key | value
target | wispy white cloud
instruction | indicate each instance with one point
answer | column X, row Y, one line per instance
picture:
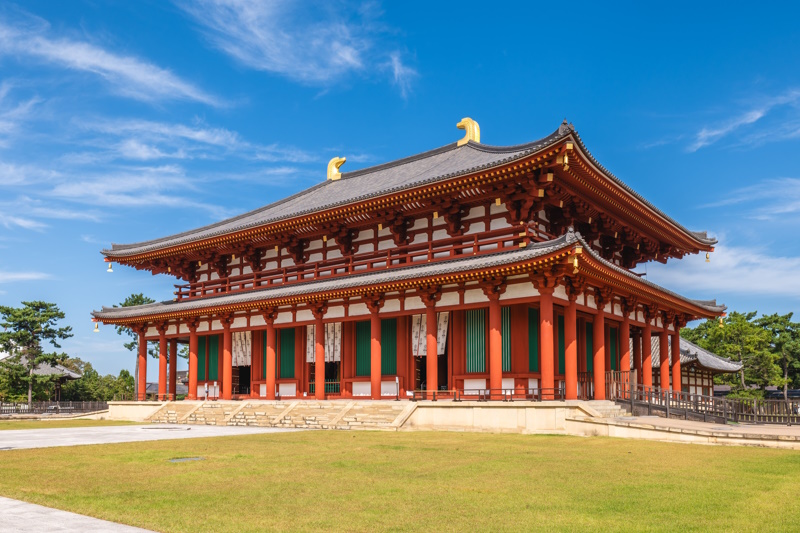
column 30, row 37
column 14, row 277
column 13, row 113
column 8, row 221
column 709, row 135
column 316, row 43
column 769, row 199
column 145, row 140
column 733, row 270
column 160, row 186
column 403, row 74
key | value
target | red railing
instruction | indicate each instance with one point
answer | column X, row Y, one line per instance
column 401, row 256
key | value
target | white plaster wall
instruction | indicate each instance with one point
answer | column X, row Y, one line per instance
column 560, row 292
column 519, row 290
column 391, row 306
column 283, row 318
column 475, row 212
column 257, row 321
column 448, row 298
column 359, row 309
column 495, row 209
column 477, row 226
column 239, row 322
column 473, row 296
column 419, row 223
column 305, row 314
column 440, row 234
column 414, row 302
column 336, row 311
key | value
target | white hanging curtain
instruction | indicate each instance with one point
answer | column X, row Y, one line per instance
column 241, row 349
column 419, row 327
column 332, row 342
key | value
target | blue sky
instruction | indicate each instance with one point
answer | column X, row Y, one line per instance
column 126, row 121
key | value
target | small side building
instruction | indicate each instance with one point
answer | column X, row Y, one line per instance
column 698, row 368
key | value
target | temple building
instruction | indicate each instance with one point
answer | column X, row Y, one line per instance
column 469, row 267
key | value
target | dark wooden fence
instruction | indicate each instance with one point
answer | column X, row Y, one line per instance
column 622, row 388
column 39, row 408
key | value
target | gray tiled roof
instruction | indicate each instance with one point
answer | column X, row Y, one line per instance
column 435, row 165
column 532, row 251
column 47, row 370
column 692, row 353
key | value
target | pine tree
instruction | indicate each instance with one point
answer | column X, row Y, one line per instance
column 26, row 329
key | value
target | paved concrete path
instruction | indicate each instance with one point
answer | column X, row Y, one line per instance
column 44, row 438
column 17, row 516
column 757, row 430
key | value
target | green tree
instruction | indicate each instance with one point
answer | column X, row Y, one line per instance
column 784, row 344
column 25, row 330
column 739, row 338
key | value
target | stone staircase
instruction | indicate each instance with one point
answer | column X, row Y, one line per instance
column 373, row 415
column 211, row 414
column 171, row 413
column 318, row 415
column 306, row 414
column 260, row 414
column 608, row 409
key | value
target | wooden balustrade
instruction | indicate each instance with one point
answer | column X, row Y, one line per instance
column 396, row 257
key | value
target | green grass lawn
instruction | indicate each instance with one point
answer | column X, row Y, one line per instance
column 424, row 481
column 60, row 423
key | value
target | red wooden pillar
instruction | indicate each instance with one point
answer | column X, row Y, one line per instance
column 677, row 382
column 637, row 355
column 192, row 362
column 625, row 342
column 495, row 345
column 546, row 351
column 375, row 353
column 227, row 362
column 162, row 363
column 663, row 349
column 430, row 295
column 647, row 352
column 599, row 356
column 271, row 359
column 571, row 349
column 173, row 368
column 431, row 348
column 141, row 394
column 319, row 351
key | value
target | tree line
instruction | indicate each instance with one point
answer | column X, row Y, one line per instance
column 31, row 337
column 768, row 346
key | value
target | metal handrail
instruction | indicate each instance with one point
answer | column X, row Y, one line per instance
column 678, row 403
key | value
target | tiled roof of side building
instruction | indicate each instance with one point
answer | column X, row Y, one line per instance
column 435, row 165
column 691, row 353
column 532, row 251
